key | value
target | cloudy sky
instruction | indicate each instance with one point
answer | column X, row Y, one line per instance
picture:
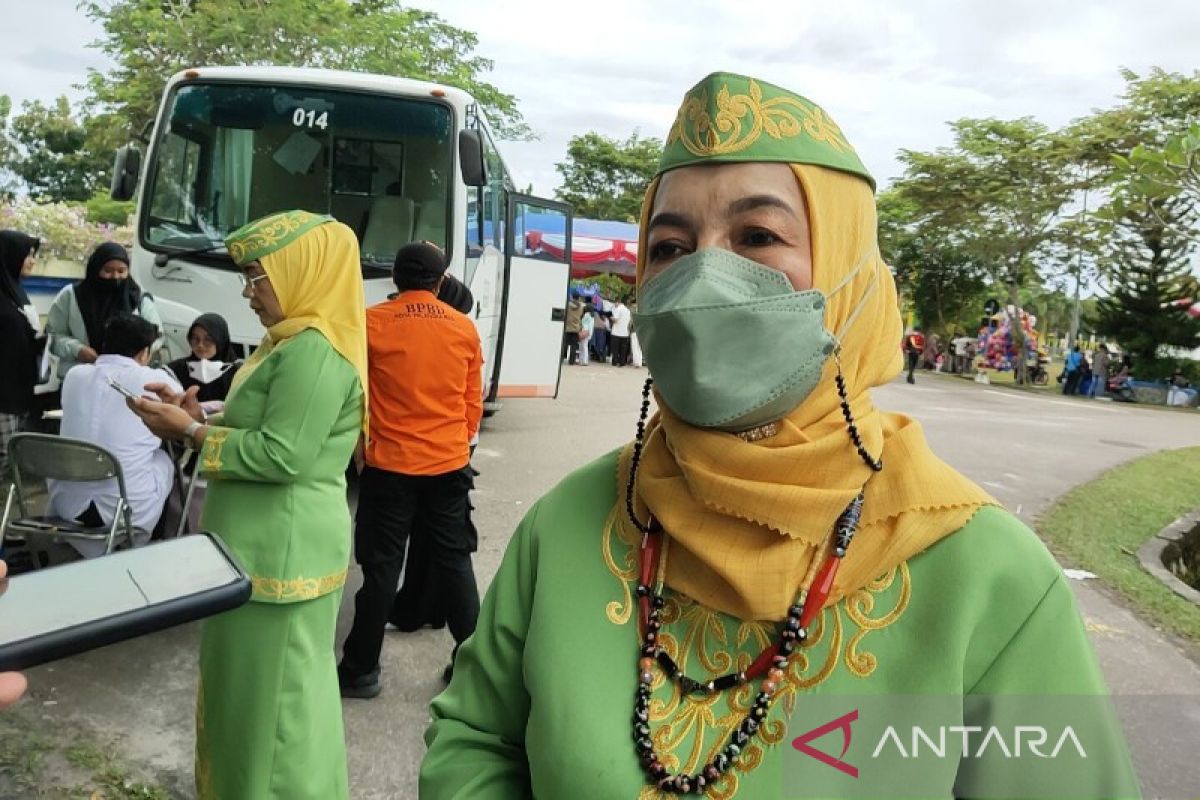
column 890, row 73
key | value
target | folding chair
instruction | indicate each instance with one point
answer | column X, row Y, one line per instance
column 185, row 484
column 42, row 456
column 185, row 520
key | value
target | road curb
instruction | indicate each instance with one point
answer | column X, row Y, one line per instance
column 1150, row 554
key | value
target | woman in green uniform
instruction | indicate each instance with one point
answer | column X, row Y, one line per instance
column 269, row 715
column 771, row 541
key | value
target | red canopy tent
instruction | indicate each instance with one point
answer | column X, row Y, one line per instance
column 597, row 246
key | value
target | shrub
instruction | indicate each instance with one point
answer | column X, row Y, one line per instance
column 64, row 229
column 103, row 209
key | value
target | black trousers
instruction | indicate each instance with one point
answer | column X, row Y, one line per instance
column 418, row 603
column 620, row 351
column 389, row 505
column 570, row 348
column 911, row 358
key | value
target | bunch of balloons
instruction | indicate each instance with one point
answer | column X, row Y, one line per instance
column 996, row 346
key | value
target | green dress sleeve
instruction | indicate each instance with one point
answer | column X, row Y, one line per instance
column 306, row 395
column 477, row 738
column 1047, row 676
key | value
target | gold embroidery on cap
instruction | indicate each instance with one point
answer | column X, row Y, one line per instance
column 742, row 118
column 269, row 234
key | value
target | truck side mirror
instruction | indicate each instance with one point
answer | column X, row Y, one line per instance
column 470, row 158
column 126, row 165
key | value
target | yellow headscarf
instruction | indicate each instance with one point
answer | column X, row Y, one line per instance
column 318, row 280
column 747, row 520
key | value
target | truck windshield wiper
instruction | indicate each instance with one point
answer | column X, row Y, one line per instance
column 376, row 268
column 162, row 259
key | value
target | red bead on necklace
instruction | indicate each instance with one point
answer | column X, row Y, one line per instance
column 771, row 664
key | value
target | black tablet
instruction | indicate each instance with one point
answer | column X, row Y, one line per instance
column 57, row 612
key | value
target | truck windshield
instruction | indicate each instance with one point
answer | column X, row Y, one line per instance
column 228, row 154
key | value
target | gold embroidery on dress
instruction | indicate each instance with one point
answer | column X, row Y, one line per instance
column 212, row 449
column 618, row 611
column 700, row 636
column 297, row 588
column 859, row 606
column 729, row 131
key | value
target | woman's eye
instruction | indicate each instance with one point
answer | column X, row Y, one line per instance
column 759, row 237
column 665, row 250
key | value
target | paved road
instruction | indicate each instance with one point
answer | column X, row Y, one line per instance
column 1025, row 449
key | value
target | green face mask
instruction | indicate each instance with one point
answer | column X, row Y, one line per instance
column 730, row 343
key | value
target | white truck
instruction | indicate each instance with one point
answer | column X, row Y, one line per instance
column 397, row 160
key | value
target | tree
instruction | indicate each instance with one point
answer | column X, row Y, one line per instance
column 612, row 287
column 606, row 178
column 941, row 283
column 1053, row 308
column 1114, row 148
column 149, row 40
column 7, row 150
column 1165, row 172
column 1153, row 109
column 1155, row 272
column 52, row 158
column 1137, row 156
column 997, row 193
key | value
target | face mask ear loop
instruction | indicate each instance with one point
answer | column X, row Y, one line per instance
column 876, row 464
column 861, row 303
column 849, row 276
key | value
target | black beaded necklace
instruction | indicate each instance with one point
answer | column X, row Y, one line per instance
column 773, row 661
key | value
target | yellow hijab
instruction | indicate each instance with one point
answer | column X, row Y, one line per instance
column 317, row 277
column 746, row 521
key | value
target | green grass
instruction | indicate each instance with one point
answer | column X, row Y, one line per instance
column 63, row 762
column 21, row 760
column 109, row 778
column 1100, row 526
column 1009, row 378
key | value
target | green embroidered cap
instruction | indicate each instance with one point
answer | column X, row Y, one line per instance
column 732, row 118
column 264, row 236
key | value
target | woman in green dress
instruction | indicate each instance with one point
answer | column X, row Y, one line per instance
column 773, row 560
column 269, row 715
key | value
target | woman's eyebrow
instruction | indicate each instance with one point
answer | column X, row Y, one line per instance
column 671, row 219
column 755, row 201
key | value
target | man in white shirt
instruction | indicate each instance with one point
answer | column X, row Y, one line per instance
column 961, row 343
column 96, row 412
column 620, row 334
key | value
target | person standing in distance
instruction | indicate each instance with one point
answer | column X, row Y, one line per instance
column 621, row 318
column 914, row 344
column 426, row 404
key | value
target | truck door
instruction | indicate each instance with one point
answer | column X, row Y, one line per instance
column 537, row 268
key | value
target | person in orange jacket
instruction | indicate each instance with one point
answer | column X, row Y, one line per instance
column 426, row 404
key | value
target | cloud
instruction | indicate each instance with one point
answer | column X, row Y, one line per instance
column 45, row 53
column 892, row 74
